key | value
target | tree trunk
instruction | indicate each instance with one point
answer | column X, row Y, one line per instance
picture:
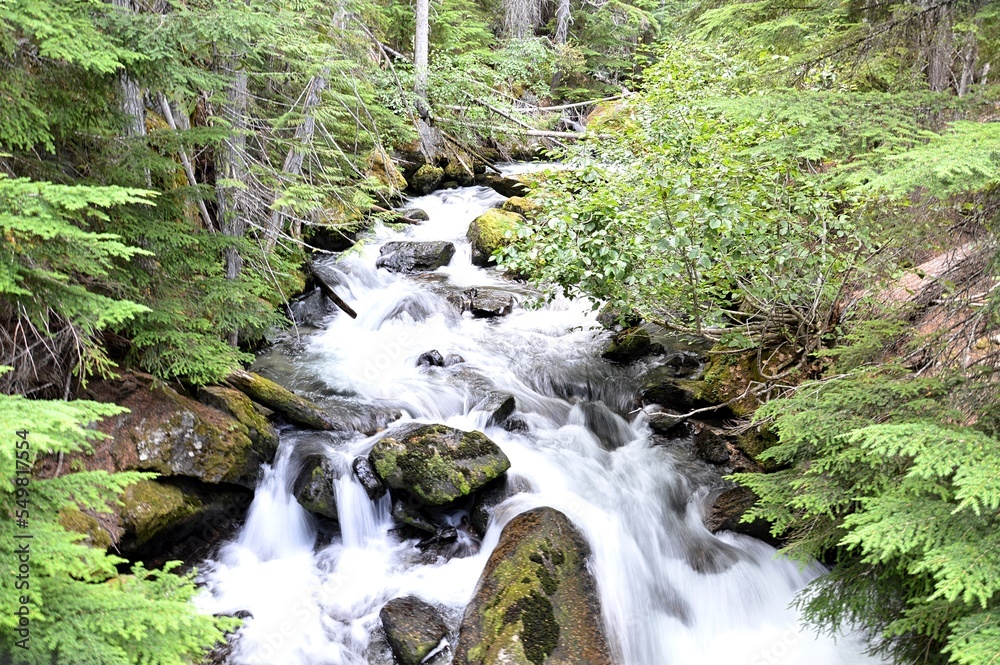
column 562, row 22
column 969, row 59
column 296, row 155
column 939, row 48
column 420, row 47
column 231, row 171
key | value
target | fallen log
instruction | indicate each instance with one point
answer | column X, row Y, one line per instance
column 330, row 293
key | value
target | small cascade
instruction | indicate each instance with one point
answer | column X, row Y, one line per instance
column 672, row 593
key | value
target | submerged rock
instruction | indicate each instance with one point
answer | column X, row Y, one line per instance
column 293, row 407
column 412, row 256
column 499, row 405
column 412, row 516
column 426, row 179
column 431, row 358
column 314, row 487
column 484, row 303
column 628, row 345
column 536, row 602
column 437, row 463
column 413, row 628
column 488, row 233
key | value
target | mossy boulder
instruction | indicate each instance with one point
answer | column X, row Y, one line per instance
column 436, row 463
column 536, row 602
column 150, row 507
column 239, row 406
column 629, row 345
column 520, row 205
column 488, row 233
column 314, row 487
column 98, row 535
column 283, row 401
column 413, row 629
column 663, row 388
column 382, row 168
column 173, row 435
column 426, row 179
column 726, row 378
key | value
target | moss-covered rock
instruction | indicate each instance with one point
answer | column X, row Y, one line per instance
column 727, row 376
column 426, row 179
column 384, row 171
column 314, row 487
column 413, row 628
column 176, row 436
column 488, row 233
column 661, row 387
column 459, row 169
column 150, row 507
column 628, row 345
column 75, row 520
column 296, row 409
column 436, row 463
column 239, row 406
column 520, row 205
column 536, row 602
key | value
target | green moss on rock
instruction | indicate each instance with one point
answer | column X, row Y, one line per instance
column 240, row 407
column 75, row 520
column 426, row 179
column 520, row 205
column 293, row 407
column 437, row 463
column 536, row 601
column 150, row 507
column 488, row 233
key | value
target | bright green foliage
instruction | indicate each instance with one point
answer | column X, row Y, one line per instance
column 881, row 471
column 82, row 611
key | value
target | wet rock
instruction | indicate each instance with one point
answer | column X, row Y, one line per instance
column 365, row 474
column 412, row 256
column 476, row 385
column 437, row 463
column 628, row 345
column 666, row 422
column 443, row 536
column 492, row 496
column 283, row 401
column 413, row 628
column 499, row 405
column 453, row 359
column 484, row 303
column 660, row 387
column 416, row 213
column 536, row 602
column 430, row 359
column 710, row 446
column 411, row 515
column 449, row 184
column 312, row 310
column 173, row 435
column 611, row 429
column 239, row 406
column 727, row 511
column 516, row 424
column 488, row 234
column 683, row 364
column 314, row 487
column 520, row 205
column 426, row 179
column 502, row 185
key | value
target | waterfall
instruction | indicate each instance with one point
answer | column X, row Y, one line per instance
column 672, row 592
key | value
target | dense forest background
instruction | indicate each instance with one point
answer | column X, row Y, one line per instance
column 775, row 177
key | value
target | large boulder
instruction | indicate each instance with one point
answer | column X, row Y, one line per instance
column 314, row 487
column 536, row 602
column 499, row 405
column 293, row 407
column 413, row 629
column 408, row 256
column 488, row 233
column 173, row 435
column 502, row 184
column 484, row 303
column 239, row 406
column 436, row 463
column 628, row 345
column 426, row 179
column 459, row 170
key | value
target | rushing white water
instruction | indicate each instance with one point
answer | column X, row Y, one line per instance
column 672, row 593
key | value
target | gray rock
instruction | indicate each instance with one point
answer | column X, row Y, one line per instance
column 431, row 358
column 710, row 446
column 499, row 405
column 416, row 213
column 412, row 256
column 484, row 303
column 413, row 628
column 314, row 487
column 437, row 463
column 366, row 475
